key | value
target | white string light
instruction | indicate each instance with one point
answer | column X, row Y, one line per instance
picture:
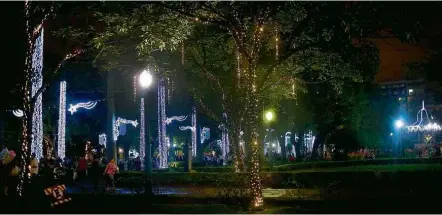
column 142, row 134
column 133, row 153
column 205, row 134
column 102, row 139
column 24, row 158
column 162, row 147
column 193, row 130
column 86, row 105
column 177, row 118
column 62, row 121
column 418, row 127
column 287, row 141
column 122, row 121
column 309, row 139
column 18, row 113
column 224, row 143
column 37, row 83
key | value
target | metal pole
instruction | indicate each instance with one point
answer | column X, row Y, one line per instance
column 270, row 151
column 148, row 151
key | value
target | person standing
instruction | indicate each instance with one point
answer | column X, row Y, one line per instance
column 82, row 171
column 121, row 164
column 12, row 177
column 125, row 165
column 109, row 172
column 34, row 165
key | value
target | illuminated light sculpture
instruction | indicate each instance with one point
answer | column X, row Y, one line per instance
column 418, row 125
column 120, row 121
column 193, row 130
column 102, row 140
column 309, row 139
column 133, row 153
column 205, row 134
column 37, row 83
column 162, row 145
column 287, row 141
column 87, row 105
column 142, row 134
column 61, row 141
column 177, row 118
column 18, row 113
column 224, row 143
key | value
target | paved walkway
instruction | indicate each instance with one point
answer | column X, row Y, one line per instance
column 205, row 192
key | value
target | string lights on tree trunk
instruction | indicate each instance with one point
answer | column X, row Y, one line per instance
column 61, row 141
column 162, row 146
column 142, row 133
column 193, row 130
column 37, row 83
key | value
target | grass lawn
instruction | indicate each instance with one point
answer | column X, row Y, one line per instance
column 398, row 167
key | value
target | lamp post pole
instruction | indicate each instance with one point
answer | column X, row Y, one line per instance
column 269, row 117
column 145, row 80
column 398, row 124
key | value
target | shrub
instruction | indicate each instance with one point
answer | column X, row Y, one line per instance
column 334, row 164
column 231, row 181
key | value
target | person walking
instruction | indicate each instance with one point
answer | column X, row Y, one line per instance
column 109, row 172
column 121, row 164
column 82, row 171
column 12, row 178
column 34, row 165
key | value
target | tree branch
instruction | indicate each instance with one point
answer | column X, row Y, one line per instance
column 282, row 59
column 56, row 74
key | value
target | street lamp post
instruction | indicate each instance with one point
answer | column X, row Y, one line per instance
column 268, row 118
column 398, row 124
column 146, row 79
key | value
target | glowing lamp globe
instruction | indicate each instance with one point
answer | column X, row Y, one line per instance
column 145, row 79
column 269, row 116
column 399, row 123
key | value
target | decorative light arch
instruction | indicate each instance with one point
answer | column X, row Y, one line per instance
column 418, row 126
column 120, row 121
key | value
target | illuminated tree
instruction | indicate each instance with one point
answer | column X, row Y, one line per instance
column 273, row 49
column 35, row 16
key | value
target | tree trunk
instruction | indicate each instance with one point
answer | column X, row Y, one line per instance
column 235, row 148
column 111, row 151
column 189, row 156
column 283, row 147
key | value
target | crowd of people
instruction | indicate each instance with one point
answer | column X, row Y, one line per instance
column 53, row 170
